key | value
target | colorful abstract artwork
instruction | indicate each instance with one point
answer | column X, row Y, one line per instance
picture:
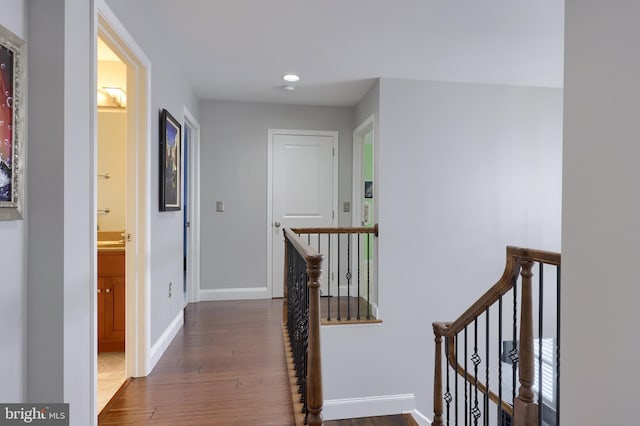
column 6, row 124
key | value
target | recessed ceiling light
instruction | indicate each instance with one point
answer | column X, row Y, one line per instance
column 291, row 78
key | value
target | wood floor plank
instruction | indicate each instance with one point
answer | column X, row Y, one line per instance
column 225, row 367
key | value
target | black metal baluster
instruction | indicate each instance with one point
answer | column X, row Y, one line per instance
column 339, row 314
column 514, row 353
column 368, row 276
column 456, row 382
column 349, row 276
column 467, row 406
column 540, row 336
column 558, row 306
column 475, row 358
column 359, row 262
column 308, row 239
column 447, row 395
column 500, row 416
column 486, row 355
column 329, row 278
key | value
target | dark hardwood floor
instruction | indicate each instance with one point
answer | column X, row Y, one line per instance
column 227, row 367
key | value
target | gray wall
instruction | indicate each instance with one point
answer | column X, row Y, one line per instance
column 458, row 166
column 234, row 170
column 169, row 90
column 601, row 207
column 12, row 265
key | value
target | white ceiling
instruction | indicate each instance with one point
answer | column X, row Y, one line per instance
column 239, row 49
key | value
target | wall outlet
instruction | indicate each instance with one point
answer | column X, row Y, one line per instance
column 219, row 206
column 170, row 289
column 346, row 207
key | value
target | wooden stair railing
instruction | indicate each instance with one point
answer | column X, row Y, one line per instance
column 525, row 411
column 348, row 286
column 301, row 326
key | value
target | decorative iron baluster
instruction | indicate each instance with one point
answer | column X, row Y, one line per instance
column 455, row 385
column 447, row 394
column 500, row 417
column 540, row 333
column 348, row 276
column 329, row 278
column 513, row 353
column 368, row 276
column 557, row 393
column 359, row 263
column 467, row 406
column 339, row 314
column 486, row 355
column 475, row 359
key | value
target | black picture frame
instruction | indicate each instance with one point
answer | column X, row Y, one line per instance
column 170, row 162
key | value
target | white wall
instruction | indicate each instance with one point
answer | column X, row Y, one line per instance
column 170, row 90
column 234, row 170
column 457, row 166
column 12, row 265
column 112, row 137
column 601, row 207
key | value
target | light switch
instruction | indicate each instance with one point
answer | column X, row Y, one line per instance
column 346, row 207
column 219, row 206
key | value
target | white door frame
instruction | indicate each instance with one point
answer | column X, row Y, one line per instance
column 358, row 143
column 138, row 309
column 193, row 249
column 269, row 224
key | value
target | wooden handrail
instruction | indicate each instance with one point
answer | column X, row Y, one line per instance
column 515, row 256
column 313, row 262
column 338, row 230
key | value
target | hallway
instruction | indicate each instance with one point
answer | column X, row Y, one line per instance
column 226, row 366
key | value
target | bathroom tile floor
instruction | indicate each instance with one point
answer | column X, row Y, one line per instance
column 111, row 374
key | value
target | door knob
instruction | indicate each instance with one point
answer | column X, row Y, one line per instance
column 277, row 224
column 99, row 290
column 108, row 290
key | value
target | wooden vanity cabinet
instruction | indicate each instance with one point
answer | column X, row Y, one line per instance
column 111, row 301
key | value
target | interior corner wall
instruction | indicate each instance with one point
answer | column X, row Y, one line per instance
column 13, row 266
column 234, row 170
column 601, row 207
column 171, row 91
column 457, row 174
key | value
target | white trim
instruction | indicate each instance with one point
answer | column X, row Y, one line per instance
column 235, row 293
column 353, row 408
column 193, row 256
column 356, row 192
column 336, row 145
column 163, row 342
column 420, row 418
column 138, row 310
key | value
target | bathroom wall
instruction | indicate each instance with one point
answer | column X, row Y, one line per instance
column 112, row 128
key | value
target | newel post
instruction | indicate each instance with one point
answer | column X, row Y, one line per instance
column 525, row 408
column 314, row 367
column 285, row 302
column 437, row 381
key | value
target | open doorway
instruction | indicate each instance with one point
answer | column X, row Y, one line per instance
column 191, row 207
column 122, row 203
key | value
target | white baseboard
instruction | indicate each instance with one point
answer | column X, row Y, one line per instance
column 420, row 418
column 161, row 345
column 234, row 294
column 353, row 408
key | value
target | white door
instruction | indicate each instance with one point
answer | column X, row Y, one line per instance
column 304, row 188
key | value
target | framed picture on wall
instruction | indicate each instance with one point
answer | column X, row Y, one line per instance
column 170, row 161
column 12, row 142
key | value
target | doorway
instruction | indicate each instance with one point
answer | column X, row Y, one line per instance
column 302, row 190
column 191, row 207
column 126, row 102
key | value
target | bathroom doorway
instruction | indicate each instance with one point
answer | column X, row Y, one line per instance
column 122, row 105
